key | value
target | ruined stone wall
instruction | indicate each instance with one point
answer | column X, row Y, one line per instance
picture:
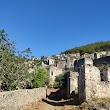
column 98, row 55
column 106, row 74
column 103, row 60
column 103, row 90
column 53, row 72
column 86, row 55
column 95, row 88
column 16, row 100
column 70, row 63
column 90, row 84
column 92, row 79
column 83, row 61
column 72, row 83
column 61, row 64
column 81, row 84
column 51, row 61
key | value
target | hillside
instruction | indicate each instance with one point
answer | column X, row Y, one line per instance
column 90, row 48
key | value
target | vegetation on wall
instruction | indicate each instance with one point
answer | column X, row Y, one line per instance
column 103, row 66
column 90, row 48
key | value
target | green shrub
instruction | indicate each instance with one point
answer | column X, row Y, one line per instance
column 60, row 81
column 40, row 78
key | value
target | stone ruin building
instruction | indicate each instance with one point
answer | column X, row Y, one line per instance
column 53, row 72
column 84, row 74
column 87, row 79
column 64, row 63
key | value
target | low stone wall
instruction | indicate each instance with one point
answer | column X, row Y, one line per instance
column 16, row 100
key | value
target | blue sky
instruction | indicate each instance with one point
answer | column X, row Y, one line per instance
column 51, row 26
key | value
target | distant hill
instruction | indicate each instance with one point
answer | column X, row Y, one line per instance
column 90, row 48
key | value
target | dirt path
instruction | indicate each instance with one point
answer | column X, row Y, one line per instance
column 56, row 101
column 48, row 104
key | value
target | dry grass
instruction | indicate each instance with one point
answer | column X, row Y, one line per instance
column 85, row 106
column 75, row 108
column 101, row 99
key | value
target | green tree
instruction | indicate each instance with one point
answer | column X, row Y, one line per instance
column 13, row 70
column 40, row 78
column 15, row 65
column 42, row 58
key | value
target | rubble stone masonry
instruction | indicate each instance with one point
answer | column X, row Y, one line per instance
column 90, row 85
column 16, row 100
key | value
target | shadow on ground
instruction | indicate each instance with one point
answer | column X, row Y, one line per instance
column 57, row 95
column 58, row 98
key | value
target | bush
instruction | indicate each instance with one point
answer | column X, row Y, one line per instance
column 60, row 81
column 40, row 78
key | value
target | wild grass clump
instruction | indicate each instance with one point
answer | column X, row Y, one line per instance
column 85, row 105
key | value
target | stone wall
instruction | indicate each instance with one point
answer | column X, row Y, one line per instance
column 90, row 85
column 53, row 72
column 51, row 61
column 103, row 90
column 61, row 64
column 16, row 100
column 70, row 63
column 87, row 55
column 105, row 74
column 92, row 80
column 102, row 61
column 81, row 84
column 72, row 84
column 98, row 55
column 83, row 61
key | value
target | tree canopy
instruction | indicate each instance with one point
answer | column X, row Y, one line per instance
column 90, row 48
column 15, row 65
